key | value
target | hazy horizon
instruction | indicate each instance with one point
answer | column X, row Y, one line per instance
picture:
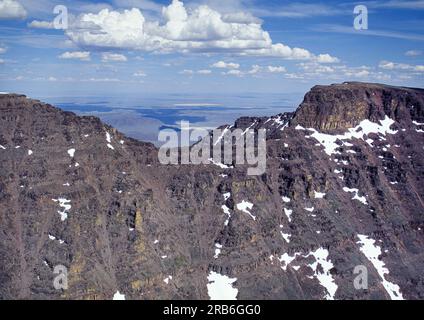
column 104, row 47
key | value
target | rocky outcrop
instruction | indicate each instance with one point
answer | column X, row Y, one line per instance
column 343, row 106
column 78, row 193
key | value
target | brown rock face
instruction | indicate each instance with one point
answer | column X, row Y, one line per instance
column 77, row 193
column 342, row 106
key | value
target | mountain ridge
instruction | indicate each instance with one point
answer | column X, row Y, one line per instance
column 78, row 193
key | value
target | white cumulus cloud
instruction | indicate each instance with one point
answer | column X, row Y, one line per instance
column 11, row 9
column 198, row 29
column 77, row 55
column 256, row 69
column 326, row 58
column 278, row 69
column 113, row 57
column 413, row 53
column 357, row 74
column 389, row 65
column 280, row 50
column 241, row 17
column 41, row 24
column 187, row 72
column 204, row 71
column 192, row 72
column 225, row 65
column 316, row 68
column 233, row 72
column 139, row 73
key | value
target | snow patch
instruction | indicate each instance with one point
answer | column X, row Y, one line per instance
column 220, row 287
column 288, row 213
column 321, row 268
column 219, row 164
column 226, row 210
column 319, row 195
column 370, row 142
column 323, row 274
column 356, row 197
column 118, row 296
column 286, row 259
column 71, row 152
column 63, row 203
column 245, row 206
column 286, row 199
column 109, row 141
column 278, row 121
column 224, row 132
column 366, row 127
column 286, row 236
column 218, row 248
column 373, row 252
column 228, row 213
column 250, row 127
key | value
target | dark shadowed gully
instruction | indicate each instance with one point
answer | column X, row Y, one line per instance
column 343, row 191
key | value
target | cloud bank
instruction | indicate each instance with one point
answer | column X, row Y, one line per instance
column 11, row 9
column 76, row 55
column 201, row 29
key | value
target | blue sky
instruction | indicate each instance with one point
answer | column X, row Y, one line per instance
column 222, row 47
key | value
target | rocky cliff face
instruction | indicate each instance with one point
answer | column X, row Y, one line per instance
column 343, row 188
column 343, row 106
